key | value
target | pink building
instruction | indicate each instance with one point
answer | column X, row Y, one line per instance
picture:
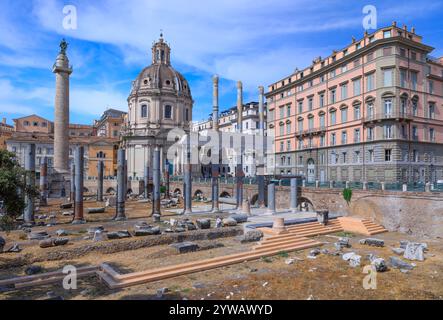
column 369, row 112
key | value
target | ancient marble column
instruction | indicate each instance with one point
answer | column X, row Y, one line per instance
column 156, row 181
column 79, row 176
column 271, row 198
column 239, row 170
column 121, row 185
column 188, row 179
column 261, row 165
column 100, row 169
column 62, row 71
column 30, row 182
column 215, row 166
column 294, row 195
column 146, row 180
column 44, row 182
column 72, row 184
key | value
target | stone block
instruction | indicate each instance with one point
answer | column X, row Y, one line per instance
column 372, row 242
column 203, row 223
column 95, row 210
column 400, row 264
column 229, row 222
column 239, row 217
column 184, row 247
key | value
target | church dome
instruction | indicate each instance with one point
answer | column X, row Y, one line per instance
column 160, row 75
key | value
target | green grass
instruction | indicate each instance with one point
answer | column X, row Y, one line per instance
column 345, row 234
column 283, row 254
column 266, row 259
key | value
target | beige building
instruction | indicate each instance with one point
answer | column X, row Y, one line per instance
column 6, row 131
column 160, row 100
column 110, row 124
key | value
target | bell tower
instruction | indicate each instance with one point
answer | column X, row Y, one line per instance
column 161, row 52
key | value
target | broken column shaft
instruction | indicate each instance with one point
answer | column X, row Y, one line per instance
column 44, row 182
column 100, row 169
column 121, row 185
column 156, row 181
column 271, row 198
column 294, row 195
column 167, row 181
column 79, row 168
column 30, row 182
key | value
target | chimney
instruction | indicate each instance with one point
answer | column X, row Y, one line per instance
column 4, row 120
column 413, row 30
column 405, row 28
column 394, row 23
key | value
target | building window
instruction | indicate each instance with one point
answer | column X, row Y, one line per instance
column 414, row 80
column 333, row 96
column 300, row 106
column 26, row 123
column 344, row 91
column 431, row 87
column 282, row 129
column 388, row 154
column 388, row 131
column 282, row 146
column 415, row 155
column 357, row 87
column 187, row 114
column 144, row 111
column 322, row 141
column 310, row 104
column 431, row 113
column 333, row 117
column 300, row 125
column 370, row 109
column 357, row 135
column 414, row 133
column 403, row 106
column 322, row 100
column 387, row 34
column 371, row 155
column 168, row 112
column 357, row 113
column 344, row 137
column 403, row 78
column 357, row 156
column 370, row 82
column 344, row 157
column 288, row 110
column 388, row 107
column 288, row 128
column 387, row 77
column 322, row 120
column 431, row 134
column 311, row 123
column 288, row 145
column 414, row 107
column 344, row 115
column 333, row 139
column 370, row 133
column 344, row 68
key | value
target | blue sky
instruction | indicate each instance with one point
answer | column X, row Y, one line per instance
column 258, row 42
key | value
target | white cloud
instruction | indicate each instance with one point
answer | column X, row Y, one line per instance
column 83, row 101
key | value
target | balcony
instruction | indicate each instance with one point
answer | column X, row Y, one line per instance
column 311, row 131
column 388, row 116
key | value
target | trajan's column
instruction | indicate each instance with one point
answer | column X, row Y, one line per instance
column 62, row 71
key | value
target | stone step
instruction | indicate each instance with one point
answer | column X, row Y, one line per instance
column 165, row 273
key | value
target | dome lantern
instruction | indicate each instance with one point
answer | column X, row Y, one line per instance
column 161, row 52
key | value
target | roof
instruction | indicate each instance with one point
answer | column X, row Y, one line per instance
column 49, row 138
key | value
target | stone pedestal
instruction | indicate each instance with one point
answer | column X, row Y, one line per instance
column 278, row 226
column 323, row 216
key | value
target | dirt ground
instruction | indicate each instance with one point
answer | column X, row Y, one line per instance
column 326, row 277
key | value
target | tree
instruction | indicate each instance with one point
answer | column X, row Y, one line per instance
column 12, row 189
column 347, row 195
